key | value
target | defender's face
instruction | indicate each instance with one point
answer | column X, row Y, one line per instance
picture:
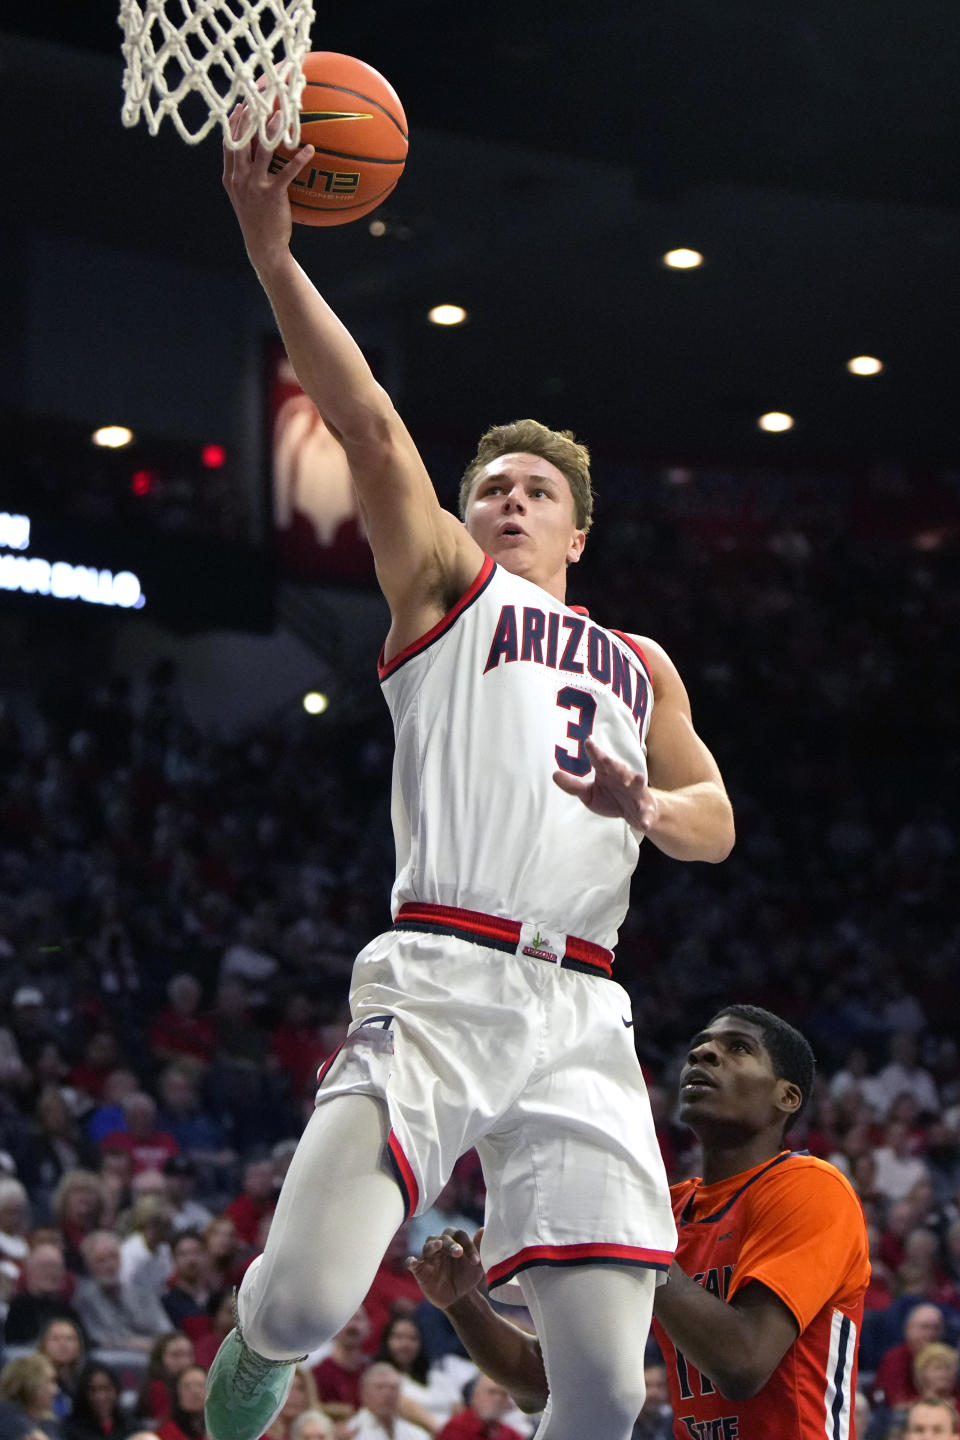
column 728, row 1083
column 521, row 513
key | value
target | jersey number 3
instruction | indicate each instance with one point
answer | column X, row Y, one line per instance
column 580, row 700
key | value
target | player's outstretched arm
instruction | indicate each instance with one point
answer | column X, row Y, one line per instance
column 420, row 549
column 449, row 1273
column 682, row 804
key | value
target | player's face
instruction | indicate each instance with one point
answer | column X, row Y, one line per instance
column 521, row 512
column 728, row 1084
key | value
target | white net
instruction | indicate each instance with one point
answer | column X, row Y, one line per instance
column 195, row 59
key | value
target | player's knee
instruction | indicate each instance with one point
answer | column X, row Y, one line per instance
column 284, row 1325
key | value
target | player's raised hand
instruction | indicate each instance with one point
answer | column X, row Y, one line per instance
column 613, row 789
column 259, row 197
column 448, row 1267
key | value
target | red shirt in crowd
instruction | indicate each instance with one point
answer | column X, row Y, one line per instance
column 468, row 1426
column 389, row 1287
column 337, row 1385
column 893, row 1383
column 246, row 1214
column 149, row 1152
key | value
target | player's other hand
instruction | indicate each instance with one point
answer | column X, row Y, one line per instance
column 448, row 1267
column 613, row 789
column 258, row 195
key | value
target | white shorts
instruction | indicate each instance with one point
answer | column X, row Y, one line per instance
column 534, row 1065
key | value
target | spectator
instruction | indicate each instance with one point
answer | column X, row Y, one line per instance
column 427, row 1396
column 394, row 1290
column 149, row 1146
column 79, row 1206
column 196, row 1132
column 187, row 1299
column 101, row 1056
column 30, row 1384
column 116, row 1176
column 935, row 1371
column 109, row 1115
column 378, row 1417
column 302, row 1398
column 655, row 1421
column 893, row 1383
column 63, row 1344
column 222, row 1321
column 898, row 1168
column 53, row 1148
column 338, row 1376
column 14, row 1217
column 931, row 1420
column 30, row 1022
column 488, row 1403
column 920, row 1272
column 257, row 1199
column 43, row 1297
column 116, row 1315
column 170, row 1356
column 145, row 1255
column 226, row 1254
column 312, row 1425
column 903, row 1074
column 98, row 1413
column 185, row 1421
column 180, row 1181
column 181, row 1032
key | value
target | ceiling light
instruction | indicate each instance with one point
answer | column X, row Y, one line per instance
column 447, row 315
column 683, row 259
column 315, row 703
column 775, row 421
column 112, row 437
column 864, row 365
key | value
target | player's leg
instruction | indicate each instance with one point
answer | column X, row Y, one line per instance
column 592, row 1322
column 337, row 1211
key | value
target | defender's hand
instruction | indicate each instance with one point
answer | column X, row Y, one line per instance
column 613, row 789
column 448, row 1267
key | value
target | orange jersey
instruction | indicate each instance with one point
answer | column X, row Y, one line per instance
column 796, row 1225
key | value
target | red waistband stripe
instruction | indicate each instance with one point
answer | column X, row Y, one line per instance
column 590, row 1254
column 474, row 924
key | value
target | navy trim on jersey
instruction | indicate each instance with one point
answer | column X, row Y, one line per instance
column 578, row 1260
column 840, row 1397
column 719, row 1214
column 473, row 592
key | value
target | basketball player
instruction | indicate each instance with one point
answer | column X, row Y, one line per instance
column 760, row 1315
column 534, row 751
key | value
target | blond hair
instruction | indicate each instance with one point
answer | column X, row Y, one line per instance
column 20, row 1379
column 529, row 437
column 935, row 1350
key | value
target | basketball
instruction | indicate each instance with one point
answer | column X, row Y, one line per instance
column 354, row 120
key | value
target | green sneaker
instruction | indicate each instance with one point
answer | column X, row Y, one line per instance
column 245, row 1392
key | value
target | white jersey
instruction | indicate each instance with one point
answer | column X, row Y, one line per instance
column 486, row 706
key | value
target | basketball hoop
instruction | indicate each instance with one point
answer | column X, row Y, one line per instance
column 224, row 51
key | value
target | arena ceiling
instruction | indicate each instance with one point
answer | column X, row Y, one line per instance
column 557, row 150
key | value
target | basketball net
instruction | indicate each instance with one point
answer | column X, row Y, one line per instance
column 224, row 51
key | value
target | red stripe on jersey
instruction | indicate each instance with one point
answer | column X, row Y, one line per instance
column 629, row 640
column 405, row 1175
column 387, row 667
column 495, row 927
column 321, row 1073
column 575, row 1255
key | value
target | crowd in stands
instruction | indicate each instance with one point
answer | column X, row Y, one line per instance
column 178, row 917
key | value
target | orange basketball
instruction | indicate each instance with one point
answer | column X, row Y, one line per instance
column 355, row 122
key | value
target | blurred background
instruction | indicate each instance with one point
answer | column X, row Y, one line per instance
column 663, row 223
